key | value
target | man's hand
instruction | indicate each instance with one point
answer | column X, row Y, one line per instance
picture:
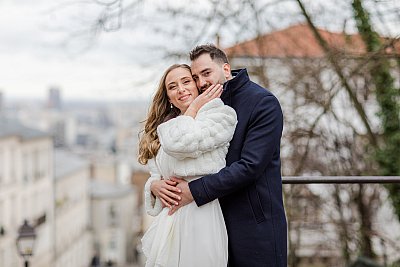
column 166, row 190
column 186, row 195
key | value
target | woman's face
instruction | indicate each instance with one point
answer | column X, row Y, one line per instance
column 181, row 88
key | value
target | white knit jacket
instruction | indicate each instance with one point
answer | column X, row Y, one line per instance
column 191, row 147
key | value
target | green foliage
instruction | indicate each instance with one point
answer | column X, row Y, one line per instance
column 370, row 37
column 387, row 154
column 395, row 264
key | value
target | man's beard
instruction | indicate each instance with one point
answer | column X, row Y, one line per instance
column 204, row 87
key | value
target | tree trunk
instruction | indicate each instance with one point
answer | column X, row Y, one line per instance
column 365, row 225
column 343, row 233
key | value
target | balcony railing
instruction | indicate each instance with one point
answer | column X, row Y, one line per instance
column 341, row 179
column 317, row 234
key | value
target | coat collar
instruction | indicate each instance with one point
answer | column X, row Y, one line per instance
column 240, row 77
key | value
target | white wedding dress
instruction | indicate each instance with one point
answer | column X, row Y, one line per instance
column 190, row 148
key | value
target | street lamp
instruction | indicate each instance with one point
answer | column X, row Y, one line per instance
column 25, row 241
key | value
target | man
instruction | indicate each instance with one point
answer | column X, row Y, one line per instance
column 249, row 188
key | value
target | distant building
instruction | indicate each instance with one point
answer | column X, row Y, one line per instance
column 107, row 167
column 61, row 125
column 54, row 98
column 115, row 223
column 267, row 56
column 73, row 240
column 298, row 41
column 26, row 192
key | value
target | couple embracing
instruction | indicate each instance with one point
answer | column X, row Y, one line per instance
column 212, row 145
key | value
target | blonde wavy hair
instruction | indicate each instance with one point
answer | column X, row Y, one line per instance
column 159, row 112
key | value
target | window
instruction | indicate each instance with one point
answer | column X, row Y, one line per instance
column 43, row 163
column 25, row 168
column 2, row 159
column 13, row 220
column 12, row 161
column 2, row 215
column 36, row 167
column 113, row 216
column 112, row 244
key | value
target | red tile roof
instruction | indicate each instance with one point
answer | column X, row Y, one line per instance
column 298, row 41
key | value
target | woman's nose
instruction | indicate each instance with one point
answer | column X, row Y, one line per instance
column 181, row 88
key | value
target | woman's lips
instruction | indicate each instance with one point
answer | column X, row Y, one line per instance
column 183, row 97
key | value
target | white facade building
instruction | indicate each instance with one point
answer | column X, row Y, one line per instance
column 26, row 192
column 114, row 221
column 72, row 210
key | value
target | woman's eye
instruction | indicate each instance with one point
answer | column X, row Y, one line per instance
column 172, row 88
column 186, row 82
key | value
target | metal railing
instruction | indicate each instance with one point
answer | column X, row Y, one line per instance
column 341, row 179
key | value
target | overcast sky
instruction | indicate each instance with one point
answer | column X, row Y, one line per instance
column 36, row 53
column 39, row 48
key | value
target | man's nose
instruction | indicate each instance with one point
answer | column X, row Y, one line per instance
column 202, row 84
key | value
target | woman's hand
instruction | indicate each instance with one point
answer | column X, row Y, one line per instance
column 209, row 94
column 166, row 191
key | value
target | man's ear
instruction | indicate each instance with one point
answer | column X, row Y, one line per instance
column 227, row 70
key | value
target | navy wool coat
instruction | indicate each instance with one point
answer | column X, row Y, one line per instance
column 249, row 188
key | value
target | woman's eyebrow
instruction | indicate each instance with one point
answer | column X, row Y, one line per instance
column 171, row 83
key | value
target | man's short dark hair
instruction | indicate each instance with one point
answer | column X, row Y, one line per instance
column 214, row 52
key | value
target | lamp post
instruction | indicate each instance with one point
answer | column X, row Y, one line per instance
column 25, row 241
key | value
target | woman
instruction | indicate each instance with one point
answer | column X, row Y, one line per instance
column 189, row 147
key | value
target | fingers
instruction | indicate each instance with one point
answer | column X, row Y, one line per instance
column 170, row 186
column 173, row 209
column 165, row 203
column 219, row 93
column 157, row 186
column 213, row 91
column 167, row 192
column 177, row 180
column 170, row 194
column 209, row 94
column 170, row 182
column 168, row 199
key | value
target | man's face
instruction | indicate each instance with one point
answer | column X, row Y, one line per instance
column 206, row 72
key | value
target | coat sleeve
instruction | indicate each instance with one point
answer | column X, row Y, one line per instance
column 261, row 143
column 152, row 204
column 187, row 137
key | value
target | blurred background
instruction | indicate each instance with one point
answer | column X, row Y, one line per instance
column 76, row 80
